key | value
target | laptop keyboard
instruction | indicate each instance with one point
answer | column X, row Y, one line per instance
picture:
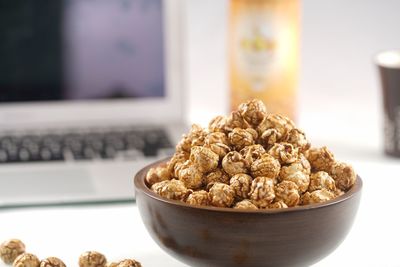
column 95, row 145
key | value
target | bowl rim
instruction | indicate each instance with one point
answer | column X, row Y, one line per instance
column 140, row 185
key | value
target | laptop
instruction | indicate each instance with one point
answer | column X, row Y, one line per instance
column 90, row 92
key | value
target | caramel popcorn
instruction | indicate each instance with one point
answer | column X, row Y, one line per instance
column 262, row 191
column 221, row 195
column 245, row 204
column 218, row 143
column 317, row 196
column 298, row 139
column 178, row 158
column 52, row 262
column 216, row 137
column 190, row 175
column 217, row 175
column 253, row 111
column 301, row 165
column 321, row 159
column 252, row 153
column 241, row 184
column 344, row 175
column 250, row 160
column 284, row 152
column 92, row 259
column 172, row 189
column 129, row 263
column 217, row 124
column 195, row 137
column 270, row 137
column 301, row 179
column 235, row 120
column 266, row 165
column 204, row 159
column 278, row 205
column 11, row 249
column 198, row 198
column 26, row 260
column 288, row 193
column 158, row 174
column 240, row 138
column 233, row 163
column 320, row 180
column 282, row 124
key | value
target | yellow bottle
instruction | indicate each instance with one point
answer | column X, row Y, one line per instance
column 263, row 53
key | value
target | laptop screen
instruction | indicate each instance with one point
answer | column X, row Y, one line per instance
column 81, row 50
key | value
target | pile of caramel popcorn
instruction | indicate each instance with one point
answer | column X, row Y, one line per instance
column 13, row 252
column 250, row 160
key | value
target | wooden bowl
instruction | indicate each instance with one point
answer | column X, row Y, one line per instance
column 210, row 236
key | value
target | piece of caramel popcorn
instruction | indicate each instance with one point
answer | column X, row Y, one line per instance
column 200, row 197
column 301, row 179
column 128, row 263
column 190, row 175
column 266, row 165
column 158, row 174
column 298, row 139
column 195, row 137
column 221, row 195
column 216, row 176
column 204, row 159
column 288, row 193
column 317, row 196
column 253, row 111
column 235, row 120
column 284, row 152
column 178, row 158
column 233, row 163
column 240, row 138
column 278, row 205
column 274, row 121
column 270, row 136
column 218, row 143
column 252, row 153
column 241, row 184
column 11, row 249
column 217, row 124
column 321, row 159
column 26, row 260
column 301, row 165
column 216, row 137
column 92, row 259
column 52, row 262
column 245, row 204
column 320, row 180
column 262, row 192
column 344, row 175
column 172, row 189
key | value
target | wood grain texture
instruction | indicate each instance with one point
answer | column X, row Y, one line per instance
column 209, row 236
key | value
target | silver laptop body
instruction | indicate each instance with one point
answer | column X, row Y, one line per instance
column 105, row 174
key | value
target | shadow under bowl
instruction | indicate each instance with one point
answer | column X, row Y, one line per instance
column 211, row 236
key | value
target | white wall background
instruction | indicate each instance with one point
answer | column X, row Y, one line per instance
column 339, row 39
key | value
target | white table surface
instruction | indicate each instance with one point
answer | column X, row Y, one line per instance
column 117, row 230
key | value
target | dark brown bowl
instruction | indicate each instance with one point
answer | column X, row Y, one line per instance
column 210, row 236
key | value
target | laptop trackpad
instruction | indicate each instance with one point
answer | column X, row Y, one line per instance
column 41, row 183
